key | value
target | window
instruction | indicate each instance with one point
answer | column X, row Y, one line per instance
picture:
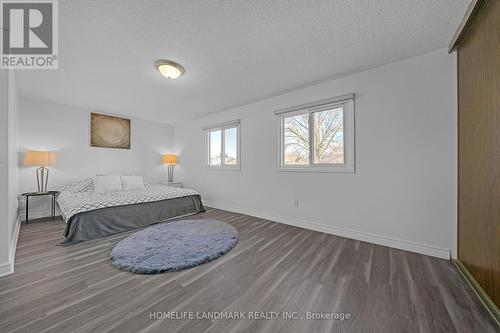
column 223, row 146
column 317, row 136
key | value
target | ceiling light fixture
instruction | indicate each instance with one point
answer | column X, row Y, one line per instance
column 169, row 69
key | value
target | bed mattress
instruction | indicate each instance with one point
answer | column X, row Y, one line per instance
column 90, row 215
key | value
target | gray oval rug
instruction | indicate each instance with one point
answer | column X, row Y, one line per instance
column 173, row 246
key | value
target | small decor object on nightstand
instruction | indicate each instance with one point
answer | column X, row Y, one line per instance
column 53, row 194
column 40, row 159
column 170, row 160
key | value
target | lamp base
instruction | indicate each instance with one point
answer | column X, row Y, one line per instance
column 42, row 179
column 170, row 173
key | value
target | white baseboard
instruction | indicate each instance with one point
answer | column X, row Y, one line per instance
column 37, row 215
column 8, row 267
column 397, row 243
column 35, row 212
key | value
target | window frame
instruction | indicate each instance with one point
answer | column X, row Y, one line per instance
column 347, row 104
column 222, row 127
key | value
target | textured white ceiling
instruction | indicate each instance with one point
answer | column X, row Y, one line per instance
column 234, row 52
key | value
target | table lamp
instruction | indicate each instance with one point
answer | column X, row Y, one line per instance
column 41, row 159
column 170, row 160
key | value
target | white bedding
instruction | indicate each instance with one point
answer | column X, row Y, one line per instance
column 81, row 197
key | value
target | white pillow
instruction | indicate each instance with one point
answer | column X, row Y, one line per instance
column 130, row 183
column 107, row 184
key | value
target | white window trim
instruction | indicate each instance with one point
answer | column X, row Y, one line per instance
column 222, row 126
column 347, row 102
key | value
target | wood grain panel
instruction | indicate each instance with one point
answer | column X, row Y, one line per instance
column 274, row 267
column 479, row 149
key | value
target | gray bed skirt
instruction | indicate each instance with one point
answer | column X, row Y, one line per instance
column 112, row 220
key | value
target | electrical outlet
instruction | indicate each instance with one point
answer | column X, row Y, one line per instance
column 296, row 203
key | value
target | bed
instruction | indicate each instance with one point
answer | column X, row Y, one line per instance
column 89, row 215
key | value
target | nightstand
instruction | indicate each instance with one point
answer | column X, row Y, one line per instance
column 173, row 184
column 53, row 195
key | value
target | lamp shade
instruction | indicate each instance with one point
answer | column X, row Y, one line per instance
column 39, row 158
column 169, row 159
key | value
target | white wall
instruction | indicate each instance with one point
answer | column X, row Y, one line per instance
column 9, row 180
column 13, row 147
column 4, row 171
column 66, row 130
column 403, row 193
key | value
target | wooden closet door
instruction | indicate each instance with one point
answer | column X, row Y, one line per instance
column 479, row 149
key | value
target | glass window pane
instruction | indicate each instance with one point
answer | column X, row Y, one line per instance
column 329, row 136
column 296, row 140
column 215, row 148
column 230, row 146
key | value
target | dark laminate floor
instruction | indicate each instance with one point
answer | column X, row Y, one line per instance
column 275, row 267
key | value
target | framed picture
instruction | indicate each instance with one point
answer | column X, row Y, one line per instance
column 109, row 132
